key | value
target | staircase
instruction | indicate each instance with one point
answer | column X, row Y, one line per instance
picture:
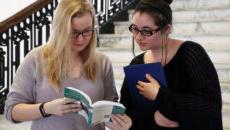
column 203, row 21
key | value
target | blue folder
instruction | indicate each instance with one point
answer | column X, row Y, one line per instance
column 137, row 72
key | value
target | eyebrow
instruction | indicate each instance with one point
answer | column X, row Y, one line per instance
column 87, row 28
column 146, row 27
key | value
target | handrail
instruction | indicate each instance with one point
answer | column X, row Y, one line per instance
column 19, row 34
column 23, row 14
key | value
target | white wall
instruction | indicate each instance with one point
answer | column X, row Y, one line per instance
column 10, row 7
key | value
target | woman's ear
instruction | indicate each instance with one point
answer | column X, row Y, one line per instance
column 168, row 29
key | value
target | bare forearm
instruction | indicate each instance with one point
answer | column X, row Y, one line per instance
column 26, row 112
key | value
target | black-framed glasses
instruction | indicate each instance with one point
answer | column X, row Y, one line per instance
column 85, row 33
column 144, row 32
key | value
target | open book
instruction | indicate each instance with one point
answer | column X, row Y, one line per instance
column 137, row 72
column 97, row 112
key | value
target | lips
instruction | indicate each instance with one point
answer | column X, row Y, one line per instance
column 141, row 44
column 78, row 44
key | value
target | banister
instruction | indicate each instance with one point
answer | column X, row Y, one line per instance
column 23, row 14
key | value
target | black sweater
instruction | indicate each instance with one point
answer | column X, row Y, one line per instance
column 192, row 97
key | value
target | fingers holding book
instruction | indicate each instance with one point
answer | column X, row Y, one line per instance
column 62, row 106
column 148, row 89
column 122, row 120
column 119, row 122
column 72, row 105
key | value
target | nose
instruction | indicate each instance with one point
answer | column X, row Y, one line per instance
column 80, row 37
column 138, row 36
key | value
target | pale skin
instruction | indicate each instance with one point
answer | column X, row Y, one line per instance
column 119, row 122
column 153, row 47
column 62, row 106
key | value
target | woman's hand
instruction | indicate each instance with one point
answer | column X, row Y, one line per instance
column 62, row 106
column 148, row 89
column 163, row 121
column 119, row 122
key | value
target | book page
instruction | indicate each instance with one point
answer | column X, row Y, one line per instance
column 86, row 112
column 101, row 114
column 102, row 111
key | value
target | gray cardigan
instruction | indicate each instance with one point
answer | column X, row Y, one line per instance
column 30, row 86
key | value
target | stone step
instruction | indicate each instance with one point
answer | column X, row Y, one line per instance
column 226, row 115
column 220, row 58
column 202, row 15
column 114, row 41
column 223, row 73
column 198, row 15
column 187, row 28
column 202, row 28
column 124, row 41
column 193, row 5
column 6, row 125
column 210, row 43
column 199, row 4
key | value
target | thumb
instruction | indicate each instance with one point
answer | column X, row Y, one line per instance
column 150, row 78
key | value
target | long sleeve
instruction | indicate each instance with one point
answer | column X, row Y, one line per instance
column 197, row 98
column 22, row 86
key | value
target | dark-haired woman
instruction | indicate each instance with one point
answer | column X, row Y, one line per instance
column 192, row 98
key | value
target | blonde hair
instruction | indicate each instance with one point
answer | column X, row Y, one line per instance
column 57, row 51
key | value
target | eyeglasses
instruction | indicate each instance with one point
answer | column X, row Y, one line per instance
column 85, row 33
column 144, row 32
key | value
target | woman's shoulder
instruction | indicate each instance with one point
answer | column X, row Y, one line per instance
column 101, row 59
column 100, row 56
column 191, row 52
column 30, row 61
column 193, row 48
column 188, row 50
column 189, row 45
column 33, row 54
column 102, row 62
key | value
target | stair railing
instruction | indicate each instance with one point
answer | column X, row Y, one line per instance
column 19, row 34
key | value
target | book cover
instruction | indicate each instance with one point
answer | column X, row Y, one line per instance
column 97, row 112
column 137, row 72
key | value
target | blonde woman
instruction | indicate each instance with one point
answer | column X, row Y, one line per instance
column 68, row 59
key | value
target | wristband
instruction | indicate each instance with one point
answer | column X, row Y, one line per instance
column 42, row 111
